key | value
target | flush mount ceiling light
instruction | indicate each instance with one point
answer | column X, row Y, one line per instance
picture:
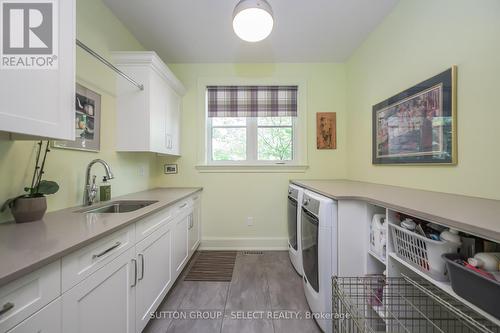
column 253, row 20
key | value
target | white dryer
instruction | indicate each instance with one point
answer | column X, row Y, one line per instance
column 319, row 254
column 294, row 230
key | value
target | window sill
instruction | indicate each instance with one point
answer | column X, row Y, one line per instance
column 272, row 168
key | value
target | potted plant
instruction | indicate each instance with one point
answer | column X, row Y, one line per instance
column 32, row 205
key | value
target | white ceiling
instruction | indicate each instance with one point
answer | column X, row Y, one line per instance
column 187, row 31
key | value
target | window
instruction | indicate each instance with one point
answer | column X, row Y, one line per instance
column 251, row 124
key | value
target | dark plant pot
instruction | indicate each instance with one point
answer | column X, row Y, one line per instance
column 29, row 209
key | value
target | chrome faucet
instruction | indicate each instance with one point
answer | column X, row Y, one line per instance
column 90, row 191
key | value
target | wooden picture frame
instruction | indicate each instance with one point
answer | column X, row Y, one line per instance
column 326, row 130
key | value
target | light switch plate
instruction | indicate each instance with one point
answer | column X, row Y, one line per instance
column 170, row 169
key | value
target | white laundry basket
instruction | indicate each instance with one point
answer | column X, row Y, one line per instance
column 422, row 252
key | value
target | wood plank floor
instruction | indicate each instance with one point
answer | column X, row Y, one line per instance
column 264, row 296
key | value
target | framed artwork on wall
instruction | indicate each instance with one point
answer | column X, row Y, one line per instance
column 418, row 125
column 326, row 130
column 87, row 122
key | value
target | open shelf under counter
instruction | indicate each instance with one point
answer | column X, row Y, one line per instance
column 377, row 257
column 445, row 286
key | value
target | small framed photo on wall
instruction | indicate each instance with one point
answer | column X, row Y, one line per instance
column 87, row 122
column 326, row 130
column 170, row 169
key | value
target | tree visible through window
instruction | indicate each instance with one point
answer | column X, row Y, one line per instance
column 275, row 138
column 229, row 139
column 232, row 137
column 251, row 124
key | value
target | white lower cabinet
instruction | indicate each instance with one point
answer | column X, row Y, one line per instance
column 180, row 250
column 154, row 276
column 109, row 286
column 105, row 301
column 47, row 320
column 195, row 225
column 25, row 296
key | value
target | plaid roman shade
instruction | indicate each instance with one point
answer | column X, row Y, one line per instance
column 252, row 101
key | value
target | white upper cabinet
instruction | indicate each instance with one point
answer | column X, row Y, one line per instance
column 37, row 69
column 148, row 120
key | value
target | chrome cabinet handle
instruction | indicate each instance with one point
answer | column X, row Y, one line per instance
column 183, row 205
column 142, row 266
column 135, row 273
column 191, row 221
column 6, row 308
column 106, row 251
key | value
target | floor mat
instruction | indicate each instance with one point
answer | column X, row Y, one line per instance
column 212, row 266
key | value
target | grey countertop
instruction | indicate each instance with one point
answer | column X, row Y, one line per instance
column 29, row 246
column 477, row 216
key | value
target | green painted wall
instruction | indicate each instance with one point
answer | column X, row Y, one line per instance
column 99, row 29
column 416, row 41
column 229, row 198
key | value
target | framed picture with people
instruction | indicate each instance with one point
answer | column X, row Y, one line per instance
column 418, row 125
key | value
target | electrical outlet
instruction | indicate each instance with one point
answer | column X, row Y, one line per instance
column 249, row 221
column 142, row 171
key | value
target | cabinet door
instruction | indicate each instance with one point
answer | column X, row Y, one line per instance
column 40, row 102
column 195, row 225
column 173, row 122
column 105, row 301
column 180, row 242
column 154, row 273
column 158, row 104
column 47, row 320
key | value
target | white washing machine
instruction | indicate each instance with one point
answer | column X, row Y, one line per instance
column 294, row 230
column 319, row 254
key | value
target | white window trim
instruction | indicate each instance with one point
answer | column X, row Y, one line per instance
column 298, row 164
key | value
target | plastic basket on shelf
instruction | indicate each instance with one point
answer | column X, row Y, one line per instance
column 421, row 252
column 472, row 286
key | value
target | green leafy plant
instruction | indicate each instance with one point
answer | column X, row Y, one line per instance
column 39, row 187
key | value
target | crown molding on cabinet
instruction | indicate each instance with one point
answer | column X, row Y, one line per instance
column 149, row 58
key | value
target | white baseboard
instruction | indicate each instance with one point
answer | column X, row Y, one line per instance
column 239, row 244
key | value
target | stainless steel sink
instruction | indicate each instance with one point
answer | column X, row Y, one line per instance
column 116, row 207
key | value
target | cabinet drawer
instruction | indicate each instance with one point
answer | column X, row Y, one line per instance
column 182, row 207
column 147, row 225
column 47, row 320
column 82, row 263
column 23, row 297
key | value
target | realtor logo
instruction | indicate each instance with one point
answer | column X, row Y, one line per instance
column 29, row 34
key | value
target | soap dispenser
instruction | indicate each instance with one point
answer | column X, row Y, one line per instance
column 105, row 189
